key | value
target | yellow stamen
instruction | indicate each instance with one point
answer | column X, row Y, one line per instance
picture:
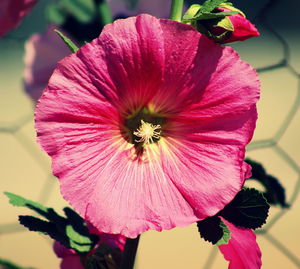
column 147, row 132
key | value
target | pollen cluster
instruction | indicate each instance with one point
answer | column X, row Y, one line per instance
column 146, row 132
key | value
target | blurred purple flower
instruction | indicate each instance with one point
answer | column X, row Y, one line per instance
column 43, row 51
column 12, row 12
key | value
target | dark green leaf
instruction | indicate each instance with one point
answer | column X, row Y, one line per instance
column 258, row 171
column 37, row 225
column 76, row 221
column 47, row 213
column 275, row 192
column 79, row 226
column 72, row 232
column 67, row 41
column 249, row 209
column 214, row 230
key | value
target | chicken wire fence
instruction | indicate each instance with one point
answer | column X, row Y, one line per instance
column 261, row 18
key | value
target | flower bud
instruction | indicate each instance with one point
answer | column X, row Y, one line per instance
column 224, row 24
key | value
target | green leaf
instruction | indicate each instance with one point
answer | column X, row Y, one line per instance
column 72, row 232
column 5, row 264
column 210, row 5
column 249, row 209
column 210, row 16
column 230, row 6
column 191, row 12
column 77, row 237
column 275, row 192
column 67, row 41
column 17, row 200
column 55, row 14
column 214, row 230
column 79, row 248
column 82, row 10
column 225, row 23
column 226, row 235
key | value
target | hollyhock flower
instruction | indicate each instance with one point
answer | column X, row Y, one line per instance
column 42, row 52
column 71, row 259
column 229, row 29
column 12, row 12
column 147, row 126
column 241, row 29
column 242, row 251
column 113, row 240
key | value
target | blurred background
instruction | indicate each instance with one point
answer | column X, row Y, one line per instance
column 25, row 169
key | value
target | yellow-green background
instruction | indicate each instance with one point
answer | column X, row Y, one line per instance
column 25, row 170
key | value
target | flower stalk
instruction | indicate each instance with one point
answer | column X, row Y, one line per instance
column 130, row 253
column 176, row 10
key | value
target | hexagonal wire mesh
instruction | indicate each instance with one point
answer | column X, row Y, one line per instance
column 14, row 128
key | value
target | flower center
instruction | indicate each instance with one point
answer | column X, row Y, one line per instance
column 143, row 127
column 146, row 132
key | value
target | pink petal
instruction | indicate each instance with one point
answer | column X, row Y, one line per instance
column 72, row 261
column 207, row 95
column 42, row 52
column 12, row 12
column 134, row 71
column 114, row 240
column 229, row 89
column 61, row 251
column 243, row 29
column 242, row 251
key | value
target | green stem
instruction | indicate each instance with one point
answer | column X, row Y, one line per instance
column 176, row 10
column 104, row 12
column 129, row 253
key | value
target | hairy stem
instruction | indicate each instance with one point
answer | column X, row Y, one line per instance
column 176, row 10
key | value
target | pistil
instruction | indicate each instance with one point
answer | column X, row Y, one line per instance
column 146, row 132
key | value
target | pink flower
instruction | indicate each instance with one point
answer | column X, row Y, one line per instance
column 147, row 126
column 42, row 52
column 70, row 259
column 242, row 28
column 222, row 30
column 12, row 12
column 242, row 251
column 113, row 240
